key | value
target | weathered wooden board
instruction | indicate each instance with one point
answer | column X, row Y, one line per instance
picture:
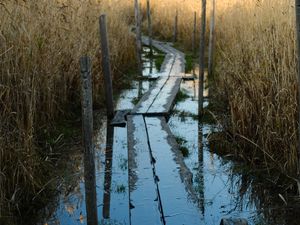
column 144, row 200
column 164, row 101
column 160, row 98
column 119, row 120
column 178, row 199
column 187, row 76
column 148, row 98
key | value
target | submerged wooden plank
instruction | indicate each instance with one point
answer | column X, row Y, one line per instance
column 143, row 189
column 179, row 202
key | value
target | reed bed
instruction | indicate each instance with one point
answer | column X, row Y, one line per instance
column 40, row 46
column 163, row 16
column 41, row 42
column 256, row 70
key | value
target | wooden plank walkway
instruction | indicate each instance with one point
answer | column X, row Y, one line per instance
column 160, row 184
column 160, row 98
column 144, row 200
column 179, row 202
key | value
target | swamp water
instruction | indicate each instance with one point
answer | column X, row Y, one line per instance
column 223, row 191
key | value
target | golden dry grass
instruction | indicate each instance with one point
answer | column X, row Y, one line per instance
column 163, row 14
column 40, row 46
column 41, row 42
column 256, row 68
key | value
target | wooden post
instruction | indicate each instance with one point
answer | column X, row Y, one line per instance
column 149, row 27
column 175, row 27
column 297, row 7
column 202, row 58
column 194, row 34
column 106, row 67
column 138, row 37
column 211, row 40
column 89, row 154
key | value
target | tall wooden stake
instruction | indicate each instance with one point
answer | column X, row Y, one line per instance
column 202, row 58
column 149, row 26
column 297, row 7
column 138, row 37
column 211, row 40
column 106, row 67
column 89, row 154
column 175, row 27
column 194, row 34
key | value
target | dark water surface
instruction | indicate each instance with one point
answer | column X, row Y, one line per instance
column 222, row 190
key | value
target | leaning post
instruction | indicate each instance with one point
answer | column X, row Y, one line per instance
column 106, row 67
column 202, row 58
column 297, row 7
column 211, row 40
column 138, row 36
column 194, row 34
column 89, row 154
column 175, row 27
column 149, row 27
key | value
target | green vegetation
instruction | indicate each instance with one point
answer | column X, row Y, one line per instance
column 189, row 62
column 181, row 96
column 159, row 59
column 121, row 188
column 135, row 100
column 181, row 142
column 185, row 151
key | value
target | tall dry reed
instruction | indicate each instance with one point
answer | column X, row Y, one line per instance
column 256, row 69
column 40, row 46
column 163, row 15
column 41, row 42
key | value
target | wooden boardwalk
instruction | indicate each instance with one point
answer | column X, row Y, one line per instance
column 160, row 184
column 160, row 98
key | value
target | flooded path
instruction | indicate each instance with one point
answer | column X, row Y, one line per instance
column 219, row 188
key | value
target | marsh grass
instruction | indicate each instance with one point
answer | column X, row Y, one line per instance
column 256, row 68
column 40, row 45
column 41, row 42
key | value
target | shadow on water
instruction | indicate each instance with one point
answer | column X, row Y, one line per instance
column 223, row 187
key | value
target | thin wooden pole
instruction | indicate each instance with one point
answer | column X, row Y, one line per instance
column 89, row 154
column 149, row 27
column 297, row 7
column 106, row 67
column 175, row 27
column 211, row 40
column 194, row 34
column 202, row 58
column 138, row 37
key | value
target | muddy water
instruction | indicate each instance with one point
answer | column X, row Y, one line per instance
column 222, row 190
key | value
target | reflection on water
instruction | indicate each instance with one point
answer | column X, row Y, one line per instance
column 223, row 188
column 199, row 178
column 108, row 170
